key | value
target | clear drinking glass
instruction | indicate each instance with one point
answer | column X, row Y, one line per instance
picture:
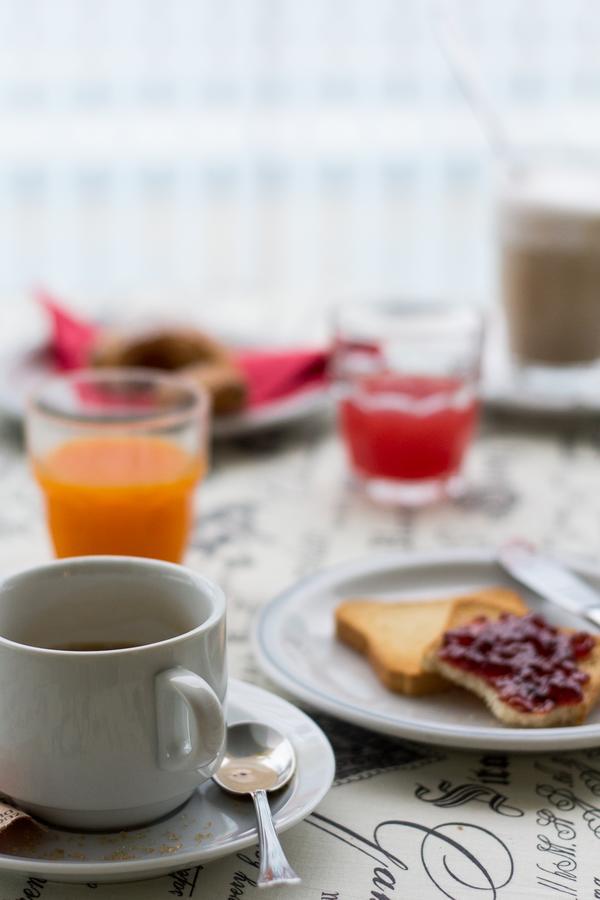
column 549, row 231
column 407, row 377
column 118, row 454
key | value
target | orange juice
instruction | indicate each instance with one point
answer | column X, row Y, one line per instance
column 122, row 495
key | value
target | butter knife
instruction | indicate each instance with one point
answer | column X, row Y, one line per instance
column 550, row 580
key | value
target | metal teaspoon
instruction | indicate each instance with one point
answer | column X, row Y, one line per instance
column 259, row 759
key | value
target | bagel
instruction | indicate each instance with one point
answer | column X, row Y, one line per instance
column 188, row 351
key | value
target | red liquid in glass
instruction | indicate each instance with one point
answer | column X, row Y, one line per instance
column 408, row 427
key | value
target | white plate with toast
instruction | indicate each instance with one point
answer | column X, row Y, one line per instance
column 296, row 646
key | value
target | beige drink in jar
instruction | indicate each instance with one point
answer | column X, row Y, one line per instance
column 550, row 266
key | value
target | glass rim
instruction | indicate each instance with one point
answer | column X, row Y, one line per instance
column 369, row 315
column 39, row 405
column 410, row 303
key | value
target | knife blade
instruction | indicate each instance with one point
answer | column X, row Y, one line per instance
column 550, row 580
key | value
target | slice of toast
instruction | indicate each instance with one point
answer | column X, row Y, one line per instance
column 573, row 714
column 395, row 636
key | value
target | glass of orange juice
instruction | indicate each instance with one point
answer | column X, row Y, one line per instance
column 118, row 454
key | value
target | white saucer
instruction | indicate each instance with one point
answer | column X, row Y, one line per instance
column 212, row 824
column 535, row 390
column 22, row 372
column 296, row 647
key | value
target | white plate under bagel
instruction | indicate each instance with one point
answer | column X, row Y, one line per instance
column 296, row 647
column 21, row 373
column 210, row 825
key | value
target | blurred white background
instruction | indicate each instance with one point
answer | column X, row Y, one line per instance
column 256, row 159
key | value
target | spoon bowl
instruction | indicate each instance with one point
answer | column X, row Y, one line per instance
column 259, row 759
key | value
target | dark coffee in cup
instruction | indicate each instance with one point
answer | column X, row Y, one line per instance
column 94, row 646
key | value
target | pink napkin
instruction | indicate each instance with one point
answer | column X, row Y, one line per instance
column 271, row 374
column 274, row 374
column 71, row 338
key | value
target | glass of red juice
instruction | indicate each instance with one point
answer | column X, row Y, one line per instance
column 407, row 378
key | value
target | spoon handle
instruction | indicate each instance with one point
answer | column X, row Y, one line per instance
column 274, row 867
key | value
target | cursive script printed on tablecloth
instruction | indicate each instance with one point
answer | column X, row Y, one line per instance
column 446, row 856
column 183, row 882
column 459, row 794
column 33, row 888
column 588, row 774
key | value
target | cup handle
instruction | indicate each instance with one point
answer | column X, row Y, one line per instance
column 190, row 722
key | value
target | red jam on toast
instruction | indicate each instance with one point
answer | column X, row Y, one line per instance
column 530, row 664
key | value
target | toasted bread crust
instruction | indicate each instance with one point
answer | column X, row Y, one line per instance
column 396, row 680
column 395, row 636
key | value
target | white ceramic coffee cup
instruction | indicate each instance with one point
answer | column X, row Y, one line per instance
column 112, row 738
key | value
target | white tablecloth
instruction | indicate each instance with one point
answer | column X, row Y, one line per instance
column 403, row 821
